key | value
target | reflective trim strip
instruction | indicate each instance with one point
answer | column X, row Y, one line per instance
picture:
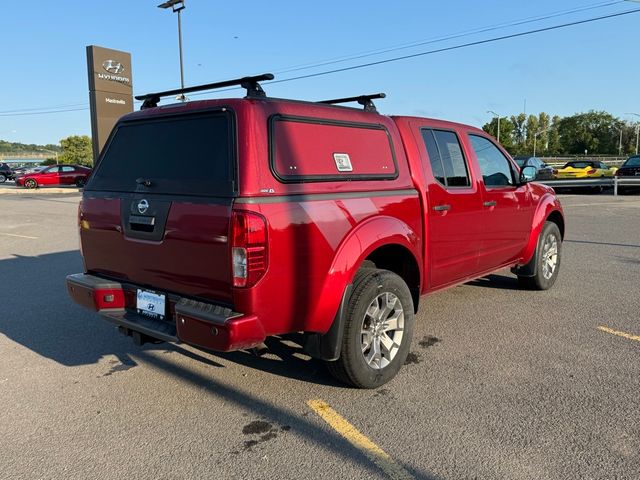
column 324, row 196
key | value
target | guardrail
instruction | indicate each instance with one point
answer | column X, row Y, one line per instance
column 626, row 182
column 614, row 182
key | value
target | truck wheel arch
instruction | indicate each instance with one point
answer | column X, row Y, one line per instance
column 385, row 242
column 549, row 209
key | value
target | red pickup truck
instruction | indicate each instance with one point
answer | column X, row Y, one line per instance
column 218, row 223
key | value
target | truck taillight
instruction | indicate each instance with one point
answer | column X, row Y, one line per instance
column 249, row 255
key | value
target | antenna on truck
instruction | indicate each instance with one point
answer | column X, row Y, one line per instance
column 364, row 100
column 254, row 90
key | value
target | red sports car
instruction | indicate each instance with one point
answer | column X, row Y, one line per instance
column 55, row 175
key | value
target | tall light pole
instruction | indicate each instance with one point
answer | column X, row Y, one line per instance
column 177, row 6
column 620, row 143
column 494, row 113
column 637, row 129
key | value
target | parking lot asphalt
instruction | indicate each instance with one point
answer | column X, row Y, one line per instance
column 501, row 383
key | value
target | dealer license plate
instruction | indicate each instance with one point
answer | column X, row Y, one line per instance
column 151, row 304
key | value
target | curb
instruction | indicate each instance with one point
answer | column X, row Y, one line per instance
column 37, row 191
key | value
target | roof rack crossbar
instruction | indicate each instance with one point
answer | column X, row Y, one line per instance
column 254, row 89
column 364, row 100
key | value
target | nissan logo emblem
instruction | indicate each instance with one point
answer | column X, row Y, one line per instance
column 112, row 66
column 143, row 206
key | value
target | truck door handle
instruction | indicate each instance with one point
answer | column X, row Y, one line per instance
column 442, row 208
column 492, row 203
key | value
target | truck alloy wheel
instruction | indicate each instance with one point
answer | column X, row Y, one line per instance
column 3, row 178
column 377, row 332
column 546, row 260
column 382, row 330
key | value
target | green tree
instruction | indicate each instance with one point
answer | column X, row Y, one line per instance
column 506, row 131
column 519, row 127
column 554, row 146
column 629, row 137
column 76, row 149
column 594, row 132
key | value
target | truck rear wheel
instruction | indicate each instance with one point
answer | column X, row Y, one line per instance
column 378, row 329
column 546, row 259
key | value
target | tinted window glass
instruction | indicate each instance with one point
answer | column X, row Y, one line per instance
column 434, row 156
column 496, row 169
column 632, row 162
column 578, row 165
column 190, row 155
column 520, row 161
column 455, row 168
column 67, row 169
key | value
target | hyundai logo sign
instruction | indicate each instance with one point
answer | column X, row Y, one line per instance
column 143, row 206
column 112, row 66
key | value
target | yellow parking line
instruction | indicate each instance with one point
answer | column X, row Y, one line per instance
column 358, row 440
column 617, row 333
column 18, row 236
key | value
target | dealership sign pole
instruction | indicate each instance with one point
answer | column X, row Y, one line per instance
column 110, row 91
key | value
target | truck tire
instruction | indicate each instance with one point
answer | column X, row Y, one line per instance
column 378, row 329
column 546, row 259
column 3, row 178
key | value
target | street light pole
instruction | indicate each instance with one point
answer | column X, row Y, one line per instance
column 177, row 6
column 620, row 144
column 637, row 129
column 494, row 113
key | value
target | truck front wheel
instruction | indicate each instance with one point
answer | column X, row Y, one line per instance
column 378, row 328
column 546, row 261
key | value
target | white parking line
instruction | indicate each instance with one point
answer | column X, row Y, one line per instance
column 18, row 236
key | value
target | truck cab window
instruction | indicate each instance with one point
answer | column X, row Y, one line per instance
column 496, row 169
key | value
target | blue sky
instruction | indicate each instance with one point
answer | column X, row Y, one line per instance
column 591, row 66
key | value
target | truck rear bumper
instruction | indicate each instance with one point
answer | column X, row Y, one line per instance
column 204, row 325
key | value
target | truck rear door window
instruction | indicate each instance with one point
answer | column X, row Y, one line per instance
column 186, row 155
column 317, row 150
column 445, row 156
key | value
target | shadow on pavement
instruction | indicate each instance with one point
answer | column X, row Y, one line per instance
column 501, row 282
column 39, row 315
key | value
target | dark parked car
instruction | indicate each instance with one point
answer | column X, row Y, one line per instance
column 55, row 175
column 630, row 168
column 543, row 171
column 5, row 173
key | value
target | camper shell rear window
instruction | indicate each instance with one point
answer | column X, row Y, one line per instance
column 190, row 154
column 317, row 150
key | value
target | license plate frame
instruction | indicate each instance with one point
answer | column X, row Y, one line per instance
column 151, row 304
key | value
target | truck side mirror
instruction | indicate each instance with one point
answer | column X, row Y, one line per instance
column 527, row 174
